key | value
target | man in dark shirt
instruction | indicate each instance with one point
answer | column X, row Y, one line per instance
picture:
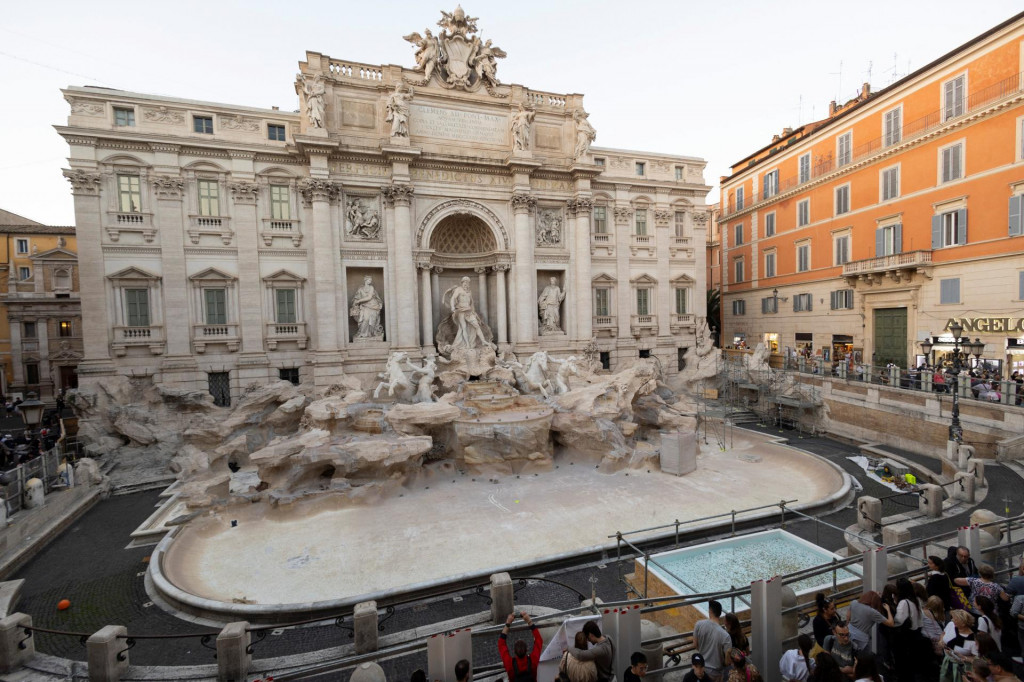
column 637, row 669
column 699, row 673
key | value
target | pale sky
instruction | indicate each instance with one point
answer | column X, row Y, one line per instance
column 714, row 80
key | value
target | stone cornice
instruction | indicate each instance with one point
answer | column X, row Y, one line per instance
column 162, row 147
column 406, row 154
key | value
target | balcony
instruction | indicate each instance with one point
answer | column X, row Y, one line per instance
column 288, row 229
column 141, row 223
column 643, row 325
column 204, row 334
column 217, row 226
column 278, row 332
column 897, row 267
column 642, row 242
column 126, row 337
column 602, row 240
column 680, row 247
column 680, row 322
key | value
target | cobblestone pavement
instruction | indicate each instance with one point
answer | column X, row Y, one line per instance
column 89, row 565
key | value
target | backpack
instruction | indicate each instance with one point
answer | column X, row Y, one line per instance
column 525, row 675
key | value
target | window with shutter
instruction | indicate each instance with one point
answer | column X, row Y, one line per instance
column 803, row 213
column 893, row 129
column 952, row 162
column 844, row 149
column 890, row 183
column 803, row 258
column 771, row 184
column 1020, row 286
column 953, row 97
column 769, row 264
column 1016, row 222
column 739, row 198
column 769, row 225
column 842, row 250
column 737, row 234
column 805, row 168
column 769, row 305
column 842, row 199
column 949, row 290
column 738, row 270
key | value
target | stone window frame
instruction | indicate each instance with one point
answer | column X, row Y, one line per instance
column 116, row 221
column 271, row 227
column 17, row 246
column 642, row 207
column 649, row 284
column 214, row 278
column 136, row 278
column 284, row 279
column 128, row 109
column 609, row 283
column 199, row 224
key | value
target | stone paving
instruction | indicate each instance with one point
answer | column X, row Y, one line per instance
column 89, row 565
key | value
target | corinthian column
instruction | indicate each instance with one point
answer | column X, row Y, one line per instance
column 523, row 205
column 318, row 193
column 481, row 304
column 499, row 272
column 250, row 296
column 583, row 297
column 400, row 196
column 426, row 305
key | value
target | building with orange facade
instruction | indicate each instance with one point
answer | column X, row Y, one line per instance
column 40, row 308
column 874, row 229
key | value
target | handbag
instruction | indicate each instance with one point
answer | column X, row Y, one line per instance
column 563, row 675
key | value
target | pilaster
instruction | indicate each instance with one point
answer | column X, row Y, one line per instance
column 583, row 298
column 318, row 192
column 400, row 196
column 666, row 297
column 624, row 291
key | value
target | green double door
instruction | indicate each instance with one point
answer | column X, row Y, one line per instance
column 890, row 336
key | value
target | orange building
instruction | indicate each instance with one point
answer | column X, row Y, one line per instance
column 874, row 229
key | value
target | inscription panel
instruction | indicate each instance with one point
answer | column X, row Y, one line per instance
column 549, row 137
column 358, row 114
column 452, row 124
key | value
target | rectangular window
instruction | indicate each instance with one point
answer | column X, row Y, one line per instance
column 1016, row 215
column 124, row 117
column 641, row 221
column 643, row 300
column 289, row 374
column 842, row 299
column 285, row 306
column 680, row 223
column 738, row 270
column 209, row 198
column 803, row 213
column 769, row 225
column 136, row 305
column 28, row 330
column 24, row 273
column 952, row 162
column 893, row 127
column 640, row 167
column 769, row 264
column 737, row 231
column 679, row 172
column 32, row 373
column 770, row 184
column 953, row 97
column 803, row 258
column 600, row 220
column 842, row 199
column 805, row 168
column 280, row 202
column 275, row 132
column 842, row 249
column 739, row 198
column 216, row 306
column 949, row 290
column 598, row 161
column 129, row 194
column 64, row 328
column 606, row 359
column 22, row 246
column 769, row 305
column 890, row 183
column 802, row 303
column 739, row 307
column 889, row 240
column 203, row 124
column 1020, row 286
column 844, row 149
column 680, row 301
column 602, row 298
column 952, row 229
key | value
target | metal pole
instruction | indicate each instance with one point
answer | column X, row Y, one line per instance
column 833, row 575
column 647, row 570
column 732, row 609
column 782, row 513
column 733, row 523
column 677, row 533
column 817, row 527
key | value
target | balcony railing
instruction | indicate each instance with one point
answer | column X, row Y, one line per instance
column 203, row 334
column 277, row 332
column 281, row 228
column 126, row 336
column 602, row 239
column 603, row 321
column 642, row 240
column 130, row 222
column 980, row 99
column 683, row 320
column 896, row 261
column 219, row 226
column 643, row 324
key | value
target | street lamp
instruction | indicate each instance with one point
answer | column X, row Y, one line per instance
column 956, row 431
column 31, row 410
column 926, row 348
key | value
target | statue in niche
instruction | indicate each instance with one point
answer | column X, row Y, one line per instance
column 549, row 228
column 398, row 110
column 549, row 302
column 521, row 122
column 362, row 220
column 585, row 134
column 314, row 90
column 470, row 330
column 365, row 310
column 428, row 52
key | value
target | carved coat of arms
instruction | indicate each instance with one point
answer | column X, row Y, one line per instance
column 457, row 56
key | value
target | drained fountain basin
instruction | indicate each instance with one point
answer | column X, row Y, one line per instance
column 736, row 562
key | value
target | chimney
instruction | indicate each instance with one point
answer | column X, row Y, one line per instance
column 787, row 131
column 865, row 90
column 276, row 108
column 775, row 138
column 832, row 108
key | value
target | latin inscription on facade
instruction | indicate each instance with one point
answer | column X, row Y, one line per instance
column 451, row 124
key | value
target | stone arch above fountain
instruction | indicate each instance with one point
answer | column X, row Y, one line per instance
column 464, row 232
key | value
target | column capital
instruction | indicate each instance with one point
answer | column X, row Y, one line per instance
column 502, row 267
column 662, row 218
column 83, row 182
column 700, row 218
column 244, row 192
column 397, row 194
column 424, row 266
column 623, row 214
column 168, row 186
column 480, row 271
column 523, row 203
column 437, row 269
column 580, row 205
column 317, row 189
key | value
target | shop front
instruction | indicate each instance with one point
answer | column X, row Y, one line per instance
column 805, row 344
column 1014, row 356
column 842, row 348
column 771, row 342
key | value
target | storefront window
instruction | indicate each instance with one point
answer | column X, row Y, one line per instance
column 771, row 341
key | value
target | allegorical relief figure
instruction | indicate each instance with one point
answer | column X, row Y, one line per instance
column 398, row 110
column 549, row 228
column 365, row 310
column 549, row 303
column 585, row 134
column 362, row 220
column 522, row 120
column 314, row 90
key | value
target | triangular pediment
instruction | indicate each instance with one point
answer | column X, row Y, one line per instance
column 644, row 279
column 604, row 278
column 134, row 273
column 212, row 274
column 57, row 254
column 683, row 279
column 284, row 276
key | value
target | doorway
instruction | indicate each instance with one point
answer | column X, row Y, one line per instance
column 890, row 337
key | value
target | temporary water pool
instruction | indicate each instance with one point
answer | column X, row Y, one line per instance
column 736, row 562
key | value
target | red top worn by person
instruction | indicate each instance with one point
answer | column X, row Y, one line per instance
column 520, row 668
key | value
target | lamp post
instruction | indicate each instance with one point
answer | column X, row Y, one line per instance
column 956, row 431
column 31, row 410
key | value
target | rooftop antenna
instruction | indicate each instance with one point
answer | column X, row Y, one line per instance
column 870, row 65
column 839, row 96
column 800, row 111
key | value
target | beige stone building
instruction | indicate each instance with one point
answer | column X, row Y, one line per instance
column 225, row 244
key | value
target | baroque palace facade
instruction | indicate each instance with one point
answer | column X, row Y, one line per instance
column 223, row 244
column 872, row 230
